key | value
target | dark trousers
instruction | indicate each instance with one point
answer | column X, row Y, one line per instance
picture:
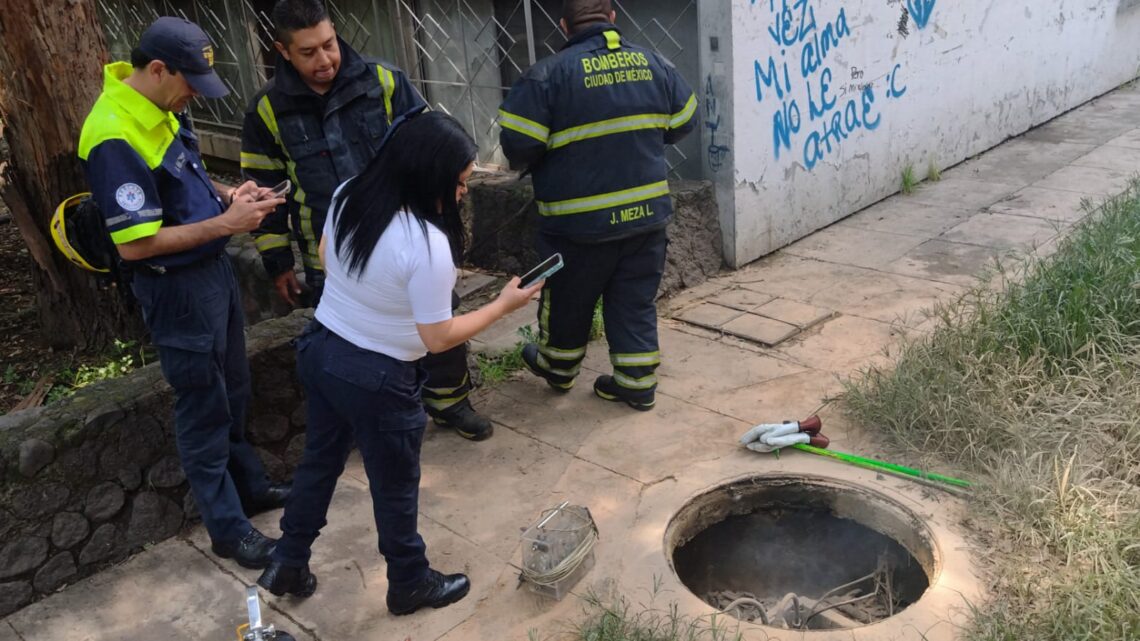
column 195, row 319
column 354, row 394
column 448, row 383
column 625, row 274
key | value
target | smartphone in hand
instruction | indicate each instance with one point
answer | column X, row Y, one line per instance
column 279, row 190
column 541, row 271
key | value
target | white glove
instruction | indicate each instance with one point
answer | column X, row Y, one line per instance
column 769, row 437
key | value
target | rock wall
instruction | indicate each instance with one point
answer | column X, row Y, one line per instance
column 92, row 479
column 501, row 218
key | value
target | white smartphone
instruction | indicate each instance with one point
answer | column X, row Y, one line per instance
column 541, row 271
column 279, row 190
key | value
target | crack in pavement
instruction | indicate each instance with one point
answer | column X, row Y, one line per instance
column 16, row 632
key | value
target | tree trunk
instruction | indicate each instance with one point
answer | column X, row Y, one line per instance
column 50, row 75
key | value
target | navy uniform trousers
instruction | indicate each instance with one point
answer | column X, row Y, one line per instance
column 625, row 274
column 195, row 319
column 448, row 382
column 354, row 394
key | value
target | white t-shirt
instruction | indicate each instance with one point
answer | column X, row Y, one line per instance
column 407, row 280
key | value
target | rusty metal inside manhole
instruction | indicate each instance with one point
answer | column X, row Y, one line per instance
column 801, row 553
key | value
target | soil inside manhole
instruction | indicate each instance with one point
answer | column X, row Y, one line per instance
column 800, row 568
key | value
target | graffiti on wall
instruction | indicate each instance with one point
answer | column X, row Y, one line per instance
column 813, row 109
column 716, row 152
column 920, row 11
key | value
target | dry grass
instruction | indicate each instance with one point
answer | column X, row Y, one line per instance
column 1033, row 390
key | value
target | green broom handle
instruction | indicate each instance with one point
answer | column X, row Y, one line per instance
column 872, row 464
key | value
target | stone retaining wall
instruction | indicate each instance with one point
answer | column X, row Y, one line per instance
column 90, row 480
column 501, row 216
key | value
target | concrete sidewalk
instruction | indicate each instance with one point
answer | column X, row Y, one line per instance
column 831, row 304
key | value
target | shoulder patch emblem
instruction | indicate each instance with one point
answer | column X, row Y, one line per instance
column 130, row 197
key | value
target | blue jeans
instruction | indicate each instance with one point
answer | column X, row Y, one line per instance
column 195, row 320
column 354, row 394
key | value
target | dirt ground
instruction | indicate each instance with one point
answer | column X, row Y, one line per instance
column 24, row 359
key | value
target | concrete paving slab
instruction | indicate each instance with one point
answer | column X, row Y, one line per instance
column 786, row 398
column 7, row 632
column 1122, row 159
column 903, row 215
column 945, row 262
column 695, row 369
column 858, row 247
column 1091, row 124
column 650, row 446
column 833, row 346
column 1003, row 231
column 1086, row 180
column 709, row 315
column 885, row 297
column 794, row 313
column 759, row 329
column 740, row 299
column 787, row 276
column 1047, row 204
column 464, row 484
column 957, row 191
column 529, row 407
column 1021, row 162
column 173, row 591
column 471, row 282
column 1129, row 139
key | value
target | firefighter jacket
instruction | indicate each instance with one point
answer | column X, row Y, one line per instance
column 318, row 142
column 592, row 122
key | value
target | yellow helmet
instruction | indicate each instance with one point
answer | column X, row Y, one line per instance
column 68, row 236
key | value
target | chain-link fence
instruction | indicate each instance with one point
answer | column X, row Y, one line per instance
column 462, row 54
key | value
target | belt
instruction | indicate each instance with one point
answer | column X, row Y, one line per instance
column 165, row 270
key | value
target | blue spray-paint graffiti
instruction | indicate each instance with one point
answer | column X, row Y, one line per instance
column 716, row 152
column 920, row 11
column 827, row 110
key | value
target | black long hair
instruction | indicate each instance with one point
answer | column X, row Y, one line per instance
column 417, row 170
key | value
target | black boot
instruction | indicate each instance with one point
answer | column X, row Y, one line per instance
column 273, row 498
column 605, row 387
column 436, row 590
column 283, row 579
column 557, row 383
column 466, row 422
column 253, row 551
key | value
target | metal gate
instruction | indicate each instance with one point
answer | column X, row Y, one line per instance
column 462, row 54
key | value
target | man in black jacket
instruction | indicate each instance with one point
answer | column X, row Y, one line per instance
column 319, row 122
column 591, row 123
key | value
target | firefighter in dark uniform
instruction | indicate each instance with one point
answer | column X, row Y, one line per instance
column 318, row 122
column 170, row 223
column 591, row 123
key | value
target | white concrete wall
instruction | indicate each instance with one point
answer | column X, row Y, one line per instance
column 966, row 75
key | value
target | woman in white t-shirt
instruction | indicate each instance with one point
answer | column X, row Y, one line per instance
column 394, row 238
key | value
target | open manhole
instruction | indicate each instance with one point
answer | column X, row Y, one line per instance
column 801, row 552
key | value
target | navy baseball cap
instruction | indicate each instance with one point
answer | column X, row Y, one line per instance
column 183, row 45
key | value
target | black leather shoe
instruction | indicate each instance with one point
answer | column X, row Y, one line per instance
column 557, row 383
column 273, row 498
column 466, row 422
column 436, row 590
column 605, row 387
column 283, row 579
column 252, row 551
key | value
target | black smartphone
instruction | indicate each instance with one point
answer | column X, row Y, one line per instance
column 541, row 271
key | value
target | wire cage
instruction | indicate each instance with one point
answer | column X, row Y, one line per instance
column 558, row 550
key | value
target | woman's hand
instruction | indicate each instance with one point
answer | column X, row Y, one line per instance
column 512, row 298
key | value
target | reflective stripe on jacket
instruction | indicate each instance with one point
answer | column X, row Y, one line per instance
column 318, row 142
column 592, row 122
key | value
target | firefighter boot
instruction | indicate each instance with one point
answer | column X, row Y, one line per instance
column 605, row 387
column 465, row 421
column 557, row 383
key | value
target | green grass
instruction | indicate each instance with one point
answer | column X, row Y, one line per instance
column 933, row 173
column 1032, row 390
column 909, row 180
column 496, row 369
column 618, row 619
